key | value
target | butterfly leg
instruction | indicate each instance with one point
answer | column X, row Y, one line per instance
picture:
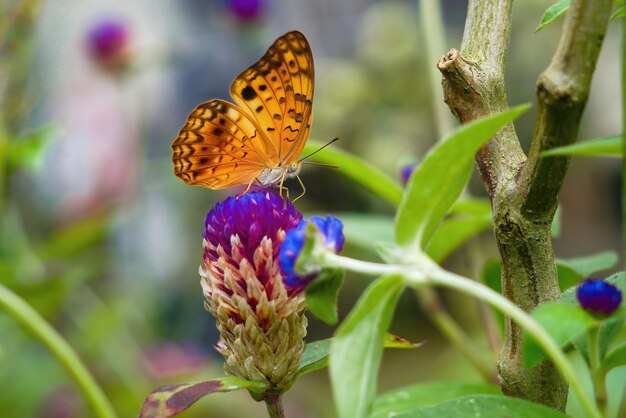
column 247, row 188
column 303, row 189
column 281, row 187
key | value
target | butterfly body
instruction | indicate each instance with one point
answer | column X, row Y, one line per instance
column 273, row 176
column 257, row 139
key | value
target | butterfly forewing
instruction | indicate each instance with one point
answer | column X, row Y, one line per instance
column 278, row 93
column 224, row 145
column 217, row 138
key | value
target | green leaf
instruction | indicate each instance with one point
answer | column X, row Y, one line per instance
column 553, row 13
column 491, row 274
column 453, row 233
column 563, row 322
column 566, row 276
column 365, row 230
column 487, row 406
column 621, row 12
column 28, row 151
column 421, row 395
column 555, row 226
column 439, row 179
column 616, row 357
column 467, row 219
column 170, row 400
column 472, row 207
column 322, row 293
column 315, row 356
column 358, row 170
column 394, row 341
column 357, row 348
column 572, row 271
column 609, row 328
column 586, row 266
column 607, row 147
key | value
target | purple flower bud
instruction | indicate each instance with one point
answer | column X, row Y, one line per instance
column 246, row 10
column 598, row 297
column 329, row 227
column 405, row 172
column 108, row 43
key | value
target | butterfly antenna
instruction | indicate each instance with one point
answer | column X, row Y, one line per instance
column 320, row 164
column 318, row 150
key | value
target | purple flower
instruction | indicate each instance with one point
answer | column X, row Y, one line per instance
column 598, row 297
column 261, row 322
column 331, row 231
column 405, row 172
column 246, row 10
column 108, row 43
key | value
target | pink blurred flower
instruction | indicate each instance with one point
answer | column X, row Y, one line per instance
column 247, row 10
column 108, row 42
column 171, row 359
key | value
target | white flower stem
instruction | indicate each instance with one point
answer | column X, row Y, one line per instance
column 426, row 272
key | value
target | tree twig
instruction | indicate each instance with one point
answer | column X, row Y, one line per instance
column 562, row 91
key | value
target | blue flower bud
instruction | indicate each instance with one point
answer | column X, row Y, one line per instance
column 598, row 297
column 330, row 229
column 405, row 172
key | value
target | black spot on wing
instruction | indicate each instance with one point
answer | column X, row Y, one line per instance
column 248, row 93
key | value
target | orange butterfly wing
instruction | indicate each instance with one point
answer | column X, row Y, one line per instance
column 278, row 91
column 224, row 145
column 218, row 147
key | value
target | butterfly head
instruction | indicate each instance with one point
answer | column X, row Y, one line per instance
column 293, row 169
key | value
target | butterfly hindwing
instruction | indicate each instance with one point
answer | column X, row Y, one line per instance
column 278, row 92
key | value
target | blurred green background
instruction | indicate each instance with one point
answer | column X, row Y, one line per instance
column 104, row 241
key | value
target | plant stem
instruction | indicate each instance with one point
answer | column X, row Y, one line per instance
column 433, row 36
column 431, row 303
column 274, row 403
column 447, row 279
column 598, row 373
column 624, row 143
column 28, row 318
column 426, row 272
column 622, row 405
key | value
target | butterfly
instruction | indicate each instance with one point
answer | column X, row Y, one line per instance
column 257, row 139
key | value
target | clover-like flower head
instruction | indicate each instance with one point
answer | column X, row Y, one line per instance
column 261, row 322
